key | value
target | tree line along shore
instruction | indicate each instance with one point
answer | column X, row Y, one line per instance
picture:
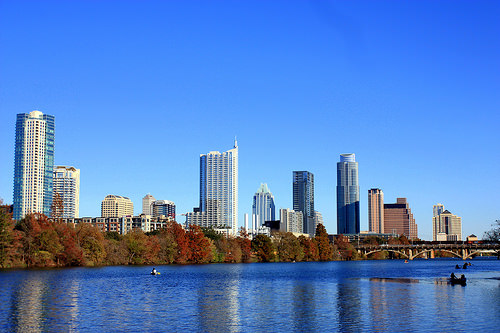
column 37, row 241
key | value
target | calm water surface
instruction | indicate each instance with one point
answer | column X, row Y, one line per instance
column 276, row 297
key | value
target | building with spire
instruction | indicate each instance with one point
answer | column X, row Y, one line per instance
column 218, row 207
column 347, row 195
column 263, row 206
column 33, row 164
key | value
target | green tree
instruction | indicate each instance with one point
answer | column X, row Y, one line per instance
column 136, row 243
column 91, row 241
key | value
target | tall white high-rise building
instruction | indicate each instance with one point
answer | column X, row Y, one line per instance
column 147, row 201
column 263, row 206
column 318, row 218
column 33, row 164
column 291, row 221
column 67, row 185
column 218, row 191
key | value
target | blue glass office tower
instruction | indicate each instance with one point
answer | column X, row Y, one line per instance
column 263, row 206
column 303, row 199
column 347, row 195
column 33, row 164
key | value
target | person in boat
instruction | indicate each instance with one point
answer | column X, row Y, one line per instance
column 452, row 276
column 464, row 266
column 457, row 267
column 462, row 277
column 153, row 272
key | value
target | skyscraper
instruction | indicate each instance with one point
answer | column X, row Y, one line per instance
column 437, row 209
column 33, row 164
column 218, row 191
column 147, row 201
column 116, row 206
column 263, row 205
column 318, row 218
column 398, row 219
column 445, row 225
column 376, row 210
column 347, row 195
column 67, row 186
column 303, row 199
column 163, row 207
column 291, row 221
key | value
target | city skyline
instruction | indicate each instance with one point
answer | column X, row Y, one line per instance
column 136, row 103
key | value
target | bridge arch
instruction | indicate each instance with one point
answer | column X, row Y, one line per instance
column 441, row 250
column 388, row 250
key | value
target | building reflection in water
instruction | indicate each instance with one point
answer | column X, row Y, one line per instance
column 27, row 305
column 218, row 302
column 304, row 306
column 392, row 302
column 45, row 302
column 349, row 306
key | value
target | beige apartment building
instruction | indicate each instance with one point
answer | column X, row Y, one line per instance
column 446, row 227
column 116, row 206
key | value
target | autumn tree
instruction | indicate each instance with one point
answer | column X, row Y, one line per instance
column 288, row 246
column 199, row 245
column 57, row 208
column 309, row 248
column 263, row 248
column 137, row 245
column 179, row 235
column 91, row 241
column 6, row 231
column 325, row 249
column 246, row 248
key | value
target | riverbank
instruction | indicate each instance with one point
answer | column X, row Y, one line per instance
column 36, row 241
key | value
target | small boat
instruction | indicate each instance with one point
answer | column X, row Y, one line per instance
column 461, row 280
column 155, row 273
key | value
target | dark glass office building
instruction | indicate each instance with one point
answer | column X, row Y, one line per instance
column 347, row 195
column 303, row 199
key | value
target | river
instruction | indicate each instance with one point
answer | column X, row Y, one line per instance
column 356, row 296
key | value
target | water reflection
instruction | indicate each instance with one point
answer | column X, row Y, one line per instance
column 218, row 302
column 27, row 305
column 304, row 306
column 349, row 306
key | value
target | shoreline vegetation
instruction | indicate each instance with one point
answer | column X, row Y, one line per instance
column 37, row 241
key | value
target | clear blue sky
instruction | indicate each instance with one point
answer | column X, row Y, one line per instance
column 140, row 88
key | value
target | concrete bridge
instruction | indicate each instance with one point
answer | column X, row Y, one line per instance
column 412, row 251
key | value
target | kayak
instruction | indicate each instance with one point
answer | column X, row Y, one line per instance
column 157, row 273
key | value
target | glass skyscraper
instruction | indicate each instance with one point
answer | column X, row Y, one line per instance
column 33, row 164
column 218, row 191
column 263, row 206
column 347, row 195
column 303, row 199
